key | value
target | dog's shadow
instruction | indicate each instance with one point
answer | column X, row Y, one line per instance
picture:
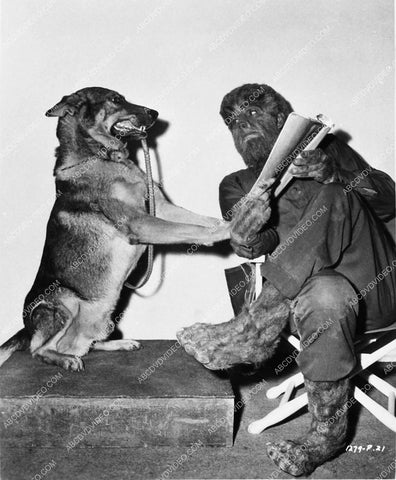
column 222, row 248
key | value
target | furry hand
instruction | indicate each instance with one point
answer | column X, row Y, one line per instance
column 314, row 164
column 252, row 215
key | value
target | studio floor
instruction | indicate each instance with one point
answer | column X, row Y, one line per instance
column 245, row 459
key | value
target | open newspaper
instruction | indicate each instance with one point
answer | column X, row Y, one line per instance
column 298, row 134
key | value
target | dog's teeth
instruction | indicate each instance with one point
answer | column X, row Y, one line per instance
column 126, row 126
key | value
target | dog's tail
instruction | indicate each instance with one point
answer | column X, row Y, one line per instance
column 19, row 341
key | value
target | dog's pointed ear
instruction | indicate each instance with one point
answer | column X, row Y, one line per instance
column 69, row 104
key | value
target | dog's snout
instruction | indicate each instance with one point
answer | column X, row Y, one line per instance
column 152, row 113
column 141, row 116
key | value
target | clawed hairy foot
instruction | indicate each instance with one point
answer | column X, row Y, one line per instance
column 223, row 345
column 289, row 456
column 249, row 338
column 301, row 457
column 197, row 342
column 327, row 436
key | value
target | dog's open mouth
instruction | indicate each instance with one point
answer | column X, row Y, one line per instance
column 126, row 128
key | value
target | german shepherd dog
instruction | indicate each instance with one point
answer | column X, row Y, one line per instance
column 98, row 229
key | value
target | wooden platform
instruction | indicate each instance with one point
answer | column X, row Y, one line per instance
column 155, row 396
column 246, row 459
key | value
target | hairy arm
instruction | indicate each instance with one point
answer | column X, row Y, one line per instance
column 335, row 161
column 250, row 234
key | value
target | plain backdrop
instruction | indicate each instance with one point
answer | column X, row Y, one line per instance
column 179, row 57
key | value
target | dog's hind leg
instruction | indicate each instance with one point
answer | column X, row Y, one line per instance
column 51, row 322
column 114, row 345
column 91, row 324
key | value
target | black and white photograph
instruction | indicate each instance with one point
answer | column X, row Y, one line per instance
column 198, row 270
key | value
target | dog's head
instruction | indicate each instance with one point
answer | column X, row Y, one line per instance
column 103, row 115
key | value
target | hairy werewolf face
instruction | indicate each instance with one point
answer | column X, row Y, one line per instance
column 254, row 114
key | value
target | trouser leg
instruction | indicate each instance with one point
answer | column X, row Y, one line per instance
column 325, row 318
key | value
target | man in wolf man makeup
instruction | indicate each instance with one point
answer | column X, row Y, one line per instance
column 330, row 273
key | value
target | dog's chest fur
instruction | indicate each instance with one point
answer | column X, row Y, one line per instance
column 92, row 253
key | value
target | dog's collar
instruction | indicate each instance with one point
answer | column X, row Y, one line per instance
column 114, row 155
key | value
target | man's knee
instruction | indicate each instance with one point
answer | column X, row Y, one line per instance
column 325, row 297
column 326, row 322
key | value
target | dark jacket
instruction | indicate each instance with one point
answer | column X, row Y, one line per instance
column 375, row 187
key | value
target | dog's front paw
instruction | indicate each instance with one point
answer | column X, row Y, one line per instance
column 116, row 345
column 129, row 344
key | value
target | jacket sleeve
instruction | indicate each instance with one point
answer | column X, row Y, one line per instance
column 231, row 192
column 375, row 186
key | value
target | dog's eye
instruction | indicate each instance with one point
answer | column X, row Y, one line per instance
column 116, row 99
